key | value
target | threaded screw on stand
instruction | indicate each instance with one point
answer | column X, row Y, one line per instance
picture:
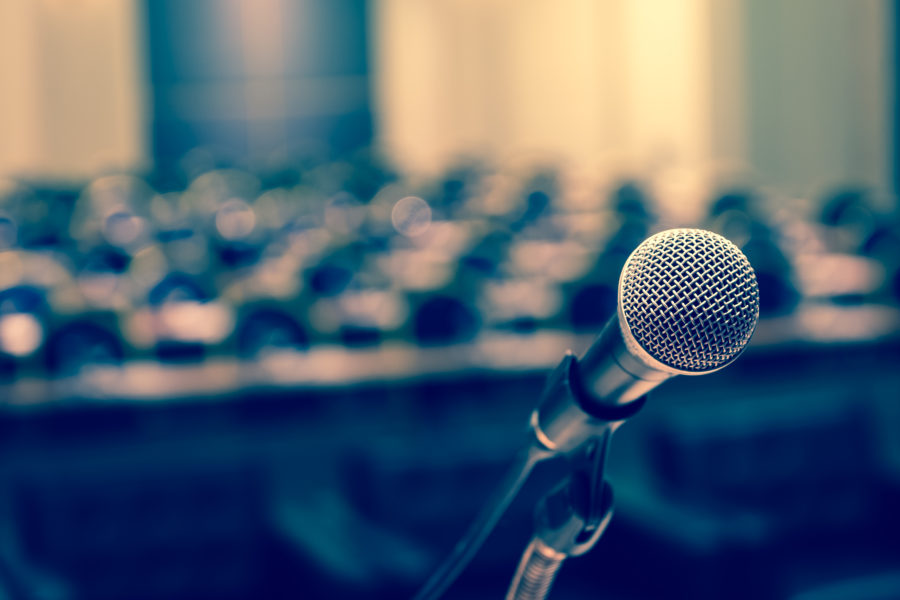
column 536, row 572
column 568, row 522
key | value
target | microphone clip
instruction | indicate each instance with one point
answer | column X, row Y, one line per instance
column 572, row 517
column 568, row 522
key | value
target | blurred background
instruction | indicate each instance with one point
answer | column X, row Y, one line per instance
column 281, row 280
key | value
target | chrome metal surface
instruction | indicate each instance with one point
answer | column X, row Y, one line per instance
column 688, row 300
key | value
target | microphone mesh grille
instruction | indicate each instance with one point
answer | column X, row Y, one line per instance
column 690, row 298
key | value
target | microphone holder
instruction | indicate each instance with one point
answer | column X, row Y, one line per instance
column 568, row 522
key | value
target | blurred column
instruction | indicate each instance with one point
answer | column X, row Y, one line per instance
column 71, row 101
column 264, row 82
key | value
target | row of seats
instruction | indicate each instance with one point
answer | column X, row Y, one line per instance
column 228, row 262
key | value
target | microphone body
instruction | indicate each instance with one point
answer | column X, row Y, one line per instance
column 687, row 305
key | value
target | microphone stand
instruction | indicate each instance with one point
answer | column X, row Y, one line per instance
column 577, row 511
column 568, row 522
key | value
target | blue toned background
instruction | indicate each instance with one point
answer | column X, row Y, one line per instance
column 281, row 282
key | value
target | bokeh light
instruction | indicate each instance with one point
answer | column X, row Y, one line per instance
column 411, row 216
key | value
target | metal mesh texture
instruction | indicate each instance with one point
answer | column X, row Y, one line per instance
column 690, row 299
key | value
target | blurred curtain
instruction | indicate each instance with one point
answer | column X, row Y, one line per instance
column 71, row 88
column 683, row 90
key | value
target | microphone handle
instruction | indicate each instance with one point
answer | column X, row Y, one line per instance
column 568, row 415
column 614, row 371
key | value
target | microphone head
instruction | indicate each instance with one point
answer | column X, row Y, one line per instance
column 688, row 301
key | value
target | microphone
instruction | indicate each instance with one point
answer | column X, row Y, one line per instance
column 688, row 303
